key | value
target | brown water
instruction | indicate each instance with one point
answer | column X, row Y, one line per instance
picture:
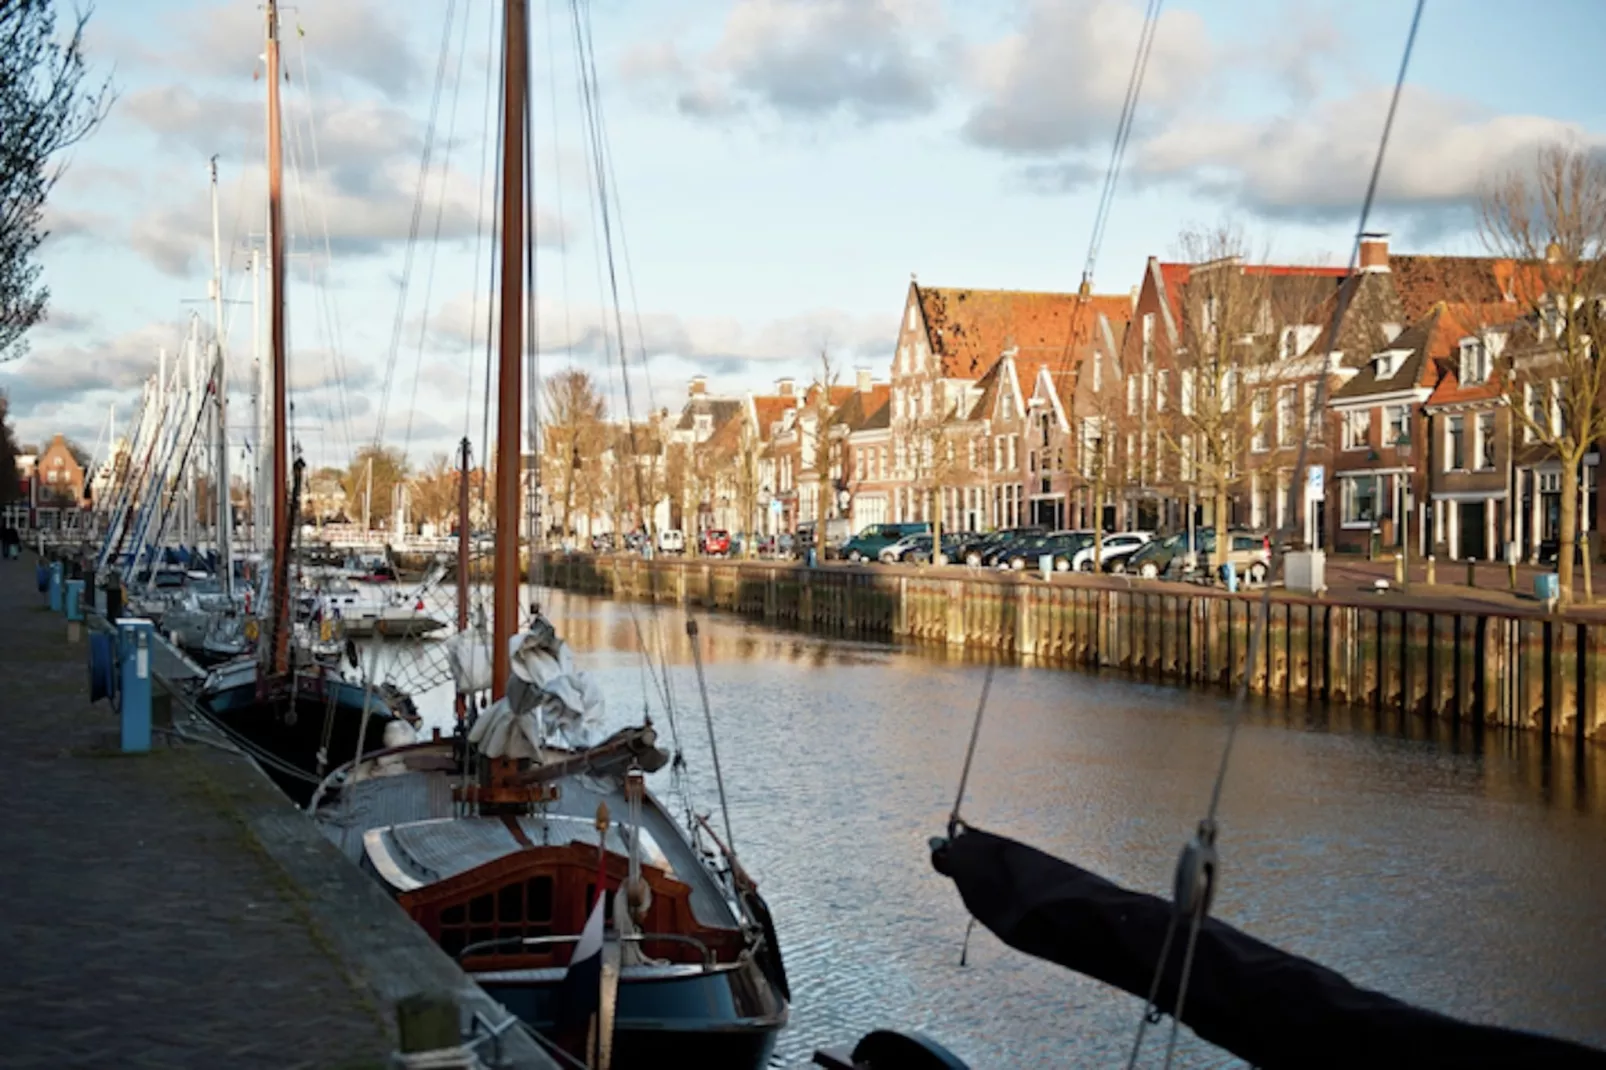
column 1464, row 872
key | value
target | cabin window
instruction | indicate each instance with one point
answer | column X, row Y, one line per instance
column 514, row 911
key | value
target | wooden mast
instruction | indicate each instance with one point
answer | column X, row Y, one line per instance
column 462, row 561
column 510, row 386
column 280, row 653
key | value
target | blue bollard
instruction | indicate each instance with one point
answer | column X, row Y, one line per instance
column 1229, row 573
column 134, row 657
column 75, row 601
column 55, row 587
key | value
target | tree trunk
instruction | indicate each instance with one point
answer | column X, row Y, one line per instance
column 1219, row 520
column 1568, row 535
column 936, row 529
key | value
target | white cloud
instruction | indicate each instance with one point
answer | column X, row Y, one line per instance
column 1058, row 82
column 1318, row 163
column 870, row 60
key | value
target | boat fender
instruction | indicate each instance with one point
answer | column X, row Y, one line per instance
column 910, row 1051
column 769, row 959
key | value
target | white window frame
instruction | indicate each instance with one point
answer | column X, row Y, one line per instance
column 1357, row 429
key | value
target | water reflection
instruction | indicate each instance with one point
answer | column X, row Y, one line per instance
column 1463, row 869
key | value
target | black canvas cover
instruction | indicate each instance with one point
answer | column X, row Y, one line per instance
column 1266, row 1006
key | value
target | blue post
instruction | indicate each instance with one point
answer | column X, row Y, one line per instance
column 75, row 600
column 55, row 586
column 134, row 657
column 1229, row 573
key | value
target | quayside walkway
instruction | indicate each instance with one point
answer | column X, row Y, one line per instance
column 143, row 924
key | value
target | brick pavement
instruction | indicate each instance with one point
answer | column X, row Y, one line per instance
column 143, row 925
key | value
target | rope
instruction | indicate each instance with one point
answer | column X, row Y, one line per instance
column 1197, row 867
column 970, row 751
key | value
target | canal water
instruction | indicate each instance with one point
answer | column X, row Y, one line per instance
column 1465, row 872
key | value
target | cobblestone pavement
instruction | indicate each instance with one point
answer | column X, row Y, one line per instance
column 142, row 925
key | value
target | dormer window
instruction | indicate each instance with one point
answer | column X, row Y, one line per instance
column 1474, row 361
column 1385, row 365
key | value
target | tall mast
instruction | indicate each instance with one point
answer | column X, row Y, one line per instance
column 220, row 386
column 259, row 514
column 509, row 429
column 462, row 559
column 281, row 458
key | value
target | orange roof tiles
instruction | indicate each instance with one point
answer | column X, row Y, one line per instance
column 970, row 329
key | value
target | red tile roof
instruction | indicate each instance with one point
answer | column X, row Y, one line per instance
column 1174, row 278
column 1454, row 323
column 970, row 329
column 1424, row 281
column 769, row 409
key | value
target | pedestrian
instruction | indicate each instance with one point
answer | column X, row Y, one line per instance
column 10, row 541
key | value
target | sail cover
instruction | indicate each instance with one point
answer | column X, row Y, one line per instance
column 548, row 698
column 1266, row 1006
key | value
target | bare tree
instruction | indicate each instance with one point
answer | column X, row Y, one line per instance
column 1100, row 422
column 45, row 108
column 827, row 448
column 573, row 428
column 435, row 490
column 10, row 484
column 944, row 448
column 1552, row 222
column 1226, row 358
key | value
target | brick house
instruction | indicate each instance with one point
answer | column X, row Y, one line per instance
column 1469, row 440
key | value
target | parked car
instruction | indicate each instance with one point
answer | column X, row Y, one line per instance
column 1119, row 544
column 955, row 545
column 838, row 530
column 1062, row 546
column 602, row 544
column 895, row 553
column 992, row 546
column 1249, row 552
column 671, row 541
column 868, row 544
column 714, row 542
column 1015, row 540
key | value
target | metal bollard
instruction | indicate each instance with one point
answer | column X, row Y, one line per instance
column 1472, row 572
column 134, row 659
column 1399, row 570
column 1432, row 571
column 55, row 587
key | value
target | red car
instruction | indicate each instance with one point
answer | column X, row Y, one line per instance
column 716, row 543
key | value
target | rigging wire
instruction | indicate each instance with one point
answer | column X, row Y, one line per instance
column 440, row 211
column 1197, row 867
column 413, row 226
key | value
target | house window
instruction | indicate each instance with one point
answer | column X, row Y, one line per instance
column 1536, row 411
column 1398, row 425
column 1162, row 387
column 1131, row 455
column 998, row 453
column 1185, row 461
column 1186, row 400
column 1558, row 406
column 1455, row 431
column 1486, row 440
column 1257, row 420
column 970, row 453
column 1287, row 415
column 1474, row 362
column 1131, row 396
column 1229, row 391
column 1313, row 418
column 1357, row 427
column 1014, row 452
column 1211, row 310
column 1098, row 373
column 881, row 462
column 1148, row 337
column 1007, row 404
column 1360, row 499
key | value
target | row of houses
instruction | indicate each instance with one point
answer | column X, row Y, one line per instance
column 1200, row 391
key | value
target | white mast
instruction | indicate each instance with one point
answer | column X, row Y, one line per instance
column 224, row 526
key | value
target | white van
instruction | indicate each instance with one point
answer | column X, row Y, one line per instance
column 672, row 541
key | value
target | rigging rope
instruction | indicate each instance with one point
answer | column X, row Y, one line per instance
column 1194, row 885
column 412, row 230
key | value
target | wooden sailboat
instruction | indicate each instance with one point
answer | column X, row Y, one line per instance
column 502, row 844
column 306, row 715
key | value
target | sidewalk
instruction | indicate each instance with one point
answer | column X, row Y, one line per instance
column 144, row 925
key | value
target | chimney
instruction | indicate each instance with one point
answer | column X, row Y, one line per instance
column 1374, row 251
column 863, row 380
column 786, row 387
column 699, row 386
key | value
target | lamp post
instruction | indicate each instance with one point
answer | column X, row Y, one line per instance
column 1376, row 540
column 1402, row 446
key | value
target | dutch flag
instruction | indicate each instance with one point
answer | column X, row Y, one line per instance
column 580, row 992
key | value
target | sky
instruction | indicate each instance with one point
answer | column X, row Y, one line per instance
column 777, row 171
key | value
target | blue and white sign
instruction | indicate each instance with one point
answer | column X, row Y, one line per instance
column 1315, row 481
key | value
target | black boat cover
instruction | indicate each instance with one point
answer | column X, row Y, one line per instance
column 1266, row 1006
